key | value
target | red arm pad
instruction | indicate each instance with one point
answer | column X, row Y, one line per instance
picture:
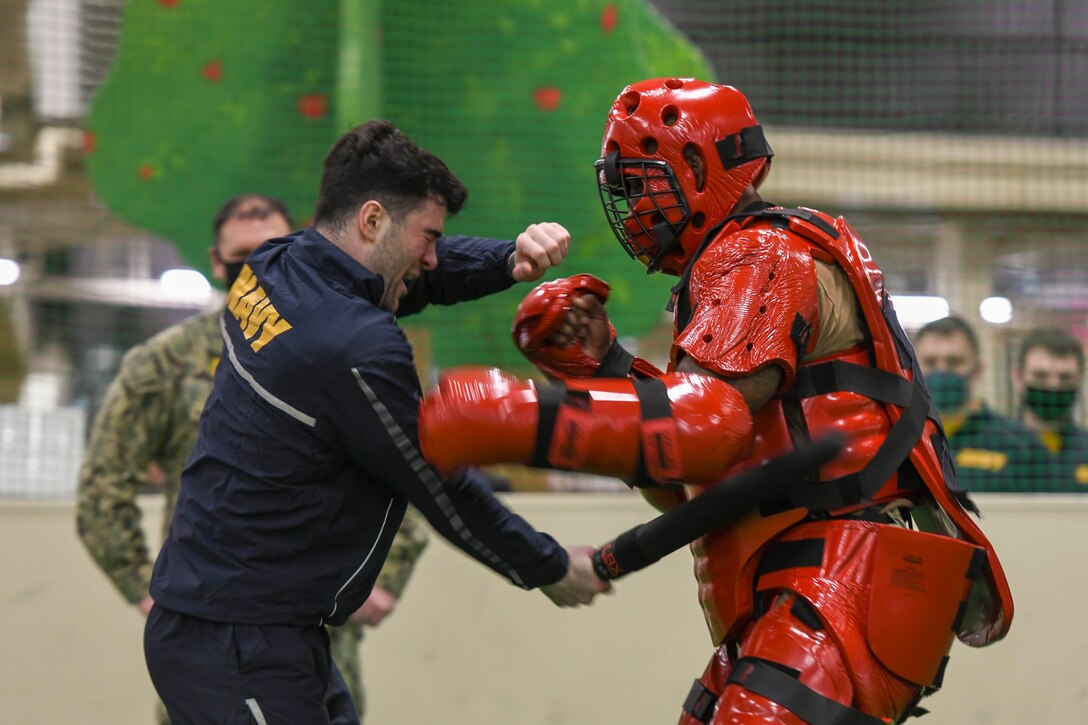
column 682, row 428
column 663, row 499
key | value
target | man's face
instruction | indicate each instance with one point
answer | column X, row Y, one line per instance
column 241, row 235
column 950, row 367
column 1046, row 371
column 951, row 353
column 403, row 250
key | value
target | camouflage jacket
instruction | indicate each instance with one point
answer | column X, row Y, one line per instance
column 150, row 415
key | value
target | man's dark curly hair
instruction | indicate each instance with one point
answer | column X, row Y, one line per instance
column 377, row 161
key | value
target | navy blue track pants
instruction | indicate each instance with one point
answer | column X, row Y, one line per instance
column 238, row 674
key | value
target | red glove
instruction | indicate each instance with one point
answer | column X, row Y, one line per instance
column 541, row 314
column 698, row 426
column 477, row 416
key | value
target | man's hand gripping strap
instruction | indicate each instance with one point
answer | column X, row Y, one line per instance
column 682, row 427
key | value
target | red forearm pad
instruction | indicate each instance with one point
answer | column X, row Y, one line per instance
column 540, row 316
column 608, row 426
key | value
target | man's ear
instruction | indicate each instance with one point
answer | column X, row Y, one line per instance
column 371, row 220
column 698, row 165
column 218, row 270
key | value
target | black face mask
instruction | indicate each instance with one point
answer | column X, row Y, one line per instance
column 232, row 270
column 1050, row 405
column 949, row 391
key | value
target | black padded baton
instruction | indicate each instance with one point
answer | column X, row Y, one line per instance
column 721, row 505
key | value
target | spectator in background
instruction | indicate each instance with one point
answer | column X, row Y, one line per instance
column 1050, row 368
column 147, row 427
column 992, row 452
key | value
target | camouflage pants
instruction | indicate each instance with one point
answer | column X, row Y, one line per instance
column 344, row 643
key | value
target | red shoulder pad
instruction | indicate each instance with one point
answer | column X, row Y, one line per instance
column 754, row 298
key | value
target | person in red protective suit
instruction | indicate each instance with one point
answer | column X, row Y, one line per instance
column 838, row 602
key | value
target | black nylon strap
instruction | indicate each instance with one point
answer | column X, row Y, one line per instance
column 800, row 333
column 939, row 679
column 803, row 214
column 746, row 145
column 978, row 561
column 837, row 375
column 857, row 487
column 700, row 702
column 611, row 168
column 960, row 614
column 667, row 242
column 812, row 707
column 803, row 611
column 616, row 363
column 549, row 398
column 653, row 402
column 791, row 554
column 653, row 398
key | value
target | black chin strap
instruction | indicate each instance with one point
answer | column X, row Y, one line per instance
column 611, row 169
column 667, row 242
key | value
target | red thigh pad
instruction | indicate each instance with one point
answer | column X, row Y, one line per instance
column 918, row 584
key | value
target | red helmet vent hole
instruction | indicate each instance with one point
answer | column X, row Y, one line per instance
column 674, row 83
column 669, row 115
column 630, row 101
column 698, row 219
column 650, row 145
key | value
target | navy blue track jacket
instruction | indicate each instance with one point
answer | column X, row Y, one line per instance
column 308, row 447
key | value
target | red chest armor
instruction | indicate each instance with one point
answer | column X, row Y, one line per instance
column 894, row 449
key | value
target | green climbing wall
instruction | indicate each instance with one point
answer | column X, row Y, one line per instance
column 209, row 99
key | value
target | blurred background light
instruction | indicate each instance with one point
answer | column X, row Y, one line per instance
column 996, row 310
column 185, row 284
column 9, row 271
column 917, row 310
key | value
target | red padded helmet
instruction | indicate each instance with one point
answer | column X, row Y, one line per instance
column 650, row 193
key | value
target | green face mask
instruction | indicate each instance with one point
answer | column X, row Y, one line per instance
column 1050, row 405
column 948, row 390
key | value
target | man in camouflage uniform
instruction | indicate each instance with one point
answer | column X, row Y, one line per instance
column 148, row 423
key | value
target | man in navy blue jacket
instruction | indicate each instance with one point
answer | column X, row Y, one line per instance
column 308, row 451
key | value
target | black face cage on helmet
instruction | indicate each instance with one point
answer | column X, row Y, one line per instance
column 623, row 184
